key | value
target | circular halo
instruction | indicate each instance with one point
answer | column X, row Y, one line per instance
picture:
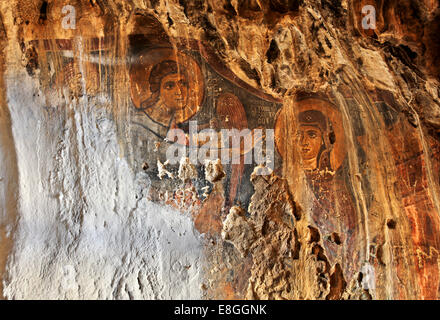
column 285, row 127
column 140, row 88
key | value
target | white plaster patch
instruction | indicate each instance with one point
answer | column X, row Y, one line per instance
column 86, row 230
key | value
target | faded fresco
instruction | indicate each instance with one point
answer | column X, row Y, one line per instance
column 315, row 142
column 324, row 151
column 174, row 86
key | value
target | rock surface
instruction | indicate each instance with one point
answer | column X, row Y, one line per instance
column 91, row 207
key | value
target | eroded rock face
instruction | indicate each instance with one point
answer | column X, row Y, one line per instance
column 95, row 96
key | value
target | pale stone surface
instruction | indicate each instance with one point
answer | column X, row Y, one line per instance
column 238, row 231
column 83, row 233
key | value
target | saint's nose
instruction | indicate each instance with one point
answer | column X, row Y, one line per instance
column 179, row 90
column 303, row 140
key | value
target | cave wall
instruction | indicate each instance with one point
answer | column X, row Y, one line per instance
column 91, row 207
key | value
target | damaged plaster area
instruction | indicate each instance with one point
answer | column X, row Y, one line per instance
column 288, row 259
column 86, row 230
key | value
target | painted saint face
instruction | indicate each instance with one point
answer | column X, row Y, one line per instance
column 174, row 91
column 310, row 142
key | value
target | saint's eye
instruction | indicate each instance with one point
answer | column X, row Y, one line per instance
column 183, row 83
column 169, row 85
column 312, row 133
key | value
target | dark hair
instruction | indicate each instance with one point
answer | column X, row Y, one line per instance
column 158, row 72
column 318, row 119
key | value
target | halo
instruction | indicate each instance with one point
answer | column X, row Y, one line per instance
column 140, row 88
column 286, row 122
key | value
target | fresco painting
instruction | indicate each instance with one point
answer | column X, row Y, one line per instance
column 315, row 143
column 173, row 83
column 170, row 87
